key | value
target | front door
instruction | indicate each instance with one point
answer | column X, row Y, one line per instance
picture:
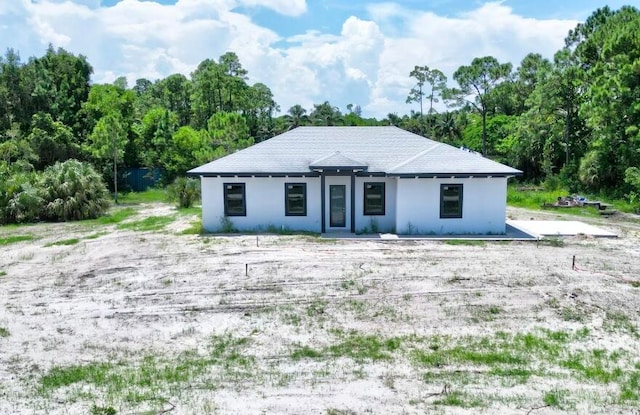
column 337, row 206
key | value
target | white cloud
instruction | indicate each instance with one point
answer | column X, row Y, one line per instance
column 285, row 7
column 367, row 63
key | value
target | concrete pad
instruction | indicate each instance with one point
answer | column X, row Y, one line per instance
column 541, row 228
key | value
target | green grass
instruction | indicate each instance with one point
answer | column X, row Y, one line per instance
column 147, row 379
column 353, row 345
column 620, row 322
column 554, row 398
column 195, row 228
column 3, row 273
column 95, row 235
column 151, row 195
column 460, row 399
column 152, row 223
column 194, row 210
column 116, row 216
column 4, row 332
column 533, row 199
column 467, row 242
column 64, row 242
column 11, row 239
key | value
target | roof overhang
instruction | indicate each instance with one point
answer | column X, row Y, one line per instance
column 248, row 174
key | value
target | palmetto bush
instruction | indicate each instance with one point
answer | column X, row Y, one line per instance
column 20, row 199
column 73, row 190
column 185, row 191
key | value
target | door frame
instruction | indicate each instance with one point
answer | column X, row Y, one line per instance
column 350, row 196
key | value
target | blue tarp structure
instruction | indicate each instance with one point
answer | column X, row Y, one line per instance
column 141, row 178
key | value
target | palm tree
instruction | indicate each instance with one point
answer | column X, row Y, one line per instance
column 325, row 114
column 447, row 128
column 296, row 116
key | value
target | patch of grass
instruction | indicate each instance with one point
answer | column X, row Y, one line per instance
column 552, row 241
column 11, row 239
column 190, row 211
column 3, row 273
column 115, row 216
column 460, row 399
column 152, row 223
column 334, row 411
column 64, row 242
column 618, row 321
column 102, row 410
column 555, row 398
column 354, row 346
column 532, row 199
column 145, row 380
column 151, row 195
column 4, row 332
column 521, row 375
column 361, row 348
column 316, row 308
column 306, row 352
column 572, row 314
column 485, row 313
column 594, row 366
column 466, row 242
column 95, row 235
column 630, row 388
column 195, row 228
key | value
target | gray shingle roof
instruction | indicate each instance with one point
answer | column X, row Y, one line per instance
column 389, row 150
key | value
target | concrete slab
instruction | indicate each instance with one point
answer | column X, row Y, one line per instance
column 511, row 234
column 542, row 228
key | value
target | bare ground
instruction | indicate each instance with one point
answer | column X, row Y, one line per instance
column 163, row 322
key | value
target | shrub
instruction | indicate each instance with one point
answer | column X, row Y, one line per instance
column 19, row 197
column 73, row 190
column 186, row 191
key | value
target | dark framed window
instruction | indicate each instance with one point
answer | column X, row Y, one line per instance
column 450, row 200
column 374, row 198
column 235, row 203
column 295, row 199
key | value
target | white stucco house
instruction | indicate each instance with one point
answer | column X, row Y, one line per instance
column 355, row 179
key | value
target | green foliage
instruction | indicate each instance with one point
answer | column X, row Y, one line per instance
column 151, row 223
column 64, row 242
column 142, row 380
column 73, row 191
column 102, row 410
column 150, row 195
column 116, row 216
column 20, row 197
column 6, row 240
column 478, row 80
column 354, row 346
column 186, row 191
column 4, row 332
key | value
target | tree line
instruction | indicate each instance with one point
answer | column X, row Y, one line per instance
column 573, row 119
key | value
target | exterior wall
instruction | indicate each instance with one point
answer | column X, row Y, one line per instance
column 411, row 205
column 265, row 203
column 384, row 223
column 483, row 206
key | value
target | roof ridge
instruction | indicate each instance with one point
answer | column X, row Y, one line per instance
column 420, row 154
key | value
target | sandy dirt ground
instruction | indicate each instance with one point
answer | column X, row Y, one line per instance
column 163, row 322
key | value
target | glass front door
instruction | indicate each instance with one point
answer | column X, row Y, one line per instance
column 337, row 206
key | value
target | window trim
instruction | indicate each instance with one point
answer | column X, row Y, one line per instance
column 457, row 215
column 365, row 212
column 226, row 199
column 286, row 199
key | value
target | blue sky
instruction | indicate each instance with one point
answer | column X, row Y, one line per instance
column 307, row 51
